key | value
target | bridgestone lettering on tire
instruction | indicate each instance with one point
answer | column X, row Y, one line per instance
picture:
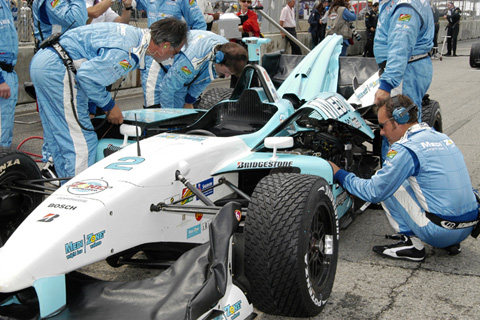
column 291, row 244
column 15, row 205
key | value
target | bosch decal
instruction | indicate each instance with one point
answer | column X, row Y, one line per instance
column 62, row 206
column 49, row 217
column 8, row 164
column 204, row 185
column 88, row 187
column 193, row 231
column 263, row 164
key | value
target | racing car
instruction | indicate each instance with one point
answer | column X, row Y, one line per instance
column 260, row 157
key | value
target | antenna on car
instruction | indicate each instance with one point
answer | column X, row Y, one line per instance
column 137, row 136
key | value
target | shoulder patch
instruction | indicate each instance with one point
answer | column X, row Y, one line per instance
column 54, row 3
column 391, row 154
column 405, row 17
column 192, row 2
column 125, row 65
column 186, row 70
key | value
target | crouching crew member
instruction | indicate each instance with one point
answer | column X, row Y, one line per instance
column 423, row 185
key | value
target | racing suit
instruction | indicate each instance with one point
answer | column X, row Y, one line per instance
column 156, row 10
column 403, row 38
column 101, row 53
column 8, row 59
column 56, row 16
column 424, row 172
column 191, row 72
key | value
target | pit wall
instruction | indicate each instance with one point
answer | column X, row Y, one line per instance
column 469, row 29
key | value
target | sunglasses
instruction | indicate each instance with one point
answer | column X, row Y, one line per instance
column 247, row 1
column 381, row 125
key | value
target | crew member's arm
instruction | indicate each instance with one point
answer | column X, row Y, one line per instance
column 402, row 37
column 98, row 9
column 95, row 74
column 399, row 165
column 67, row 14
column 193, row 15
column 126, row 13
column 180, row 73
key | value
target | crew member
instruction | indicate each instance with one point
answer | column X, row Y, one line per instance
column 8, row 77
column 423, row 185
column 78, row 68
column 157, row 10
column 206, row 57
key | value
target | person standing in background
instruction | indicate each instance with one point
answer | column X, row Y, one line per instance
column 453, row 17
column 249, row 26
column 371, row 20
column 340, row 14
column 8, row 77
column 436, row 18
column 288, row 22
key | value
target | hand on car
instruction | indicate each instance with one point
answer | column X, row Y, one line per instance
column 115, row 116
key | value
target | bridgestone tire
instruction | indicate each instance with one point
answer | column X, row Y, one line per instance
column 431, row 114
column 15, row 205
column 212, row 97
column 291, row 245
column 475, row 55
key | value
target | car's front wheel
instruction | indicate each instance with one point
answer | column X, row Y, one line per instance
column 291, row 244
column 16, row 203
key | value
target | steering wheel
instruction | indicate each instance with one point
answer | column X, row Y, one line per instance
column 201, row 132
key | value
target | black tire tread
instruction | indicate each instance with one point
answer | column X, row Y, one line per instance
column 212, row 97
column 271, row 279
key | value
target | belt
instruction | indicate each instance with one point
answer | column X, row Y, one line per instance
column 6, row 67
column 450, row 225
column 413, row 58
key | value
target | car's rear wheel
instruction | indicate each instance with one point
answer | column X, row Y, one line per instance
column 213, row 96
column 291, row 244
column 475, row 55
column 15, row 204
column 431, row 114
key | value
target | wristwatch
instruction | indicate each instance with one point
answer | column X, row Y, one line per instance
column 129, row 8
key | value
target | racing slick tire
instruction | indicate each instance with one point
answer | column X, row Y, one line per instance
column 291, row 244
column 431, row 113
column 475, row 55
column 15, row 204
column 213, row 96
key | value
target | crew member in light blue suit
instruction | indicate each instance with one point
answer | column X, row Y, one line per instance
column 56, row 16
column 206, row 57
column 8, row 77
column 160, row 9
column 423, row 185
column 101, row 54
column 403, row 38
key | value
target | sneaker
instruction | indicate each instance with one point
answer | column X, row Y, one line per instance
column 409, row 248
column 453, row 249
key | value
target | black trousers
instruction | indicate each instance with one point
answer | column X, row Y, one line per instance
column 295, row 48
column 452, row 41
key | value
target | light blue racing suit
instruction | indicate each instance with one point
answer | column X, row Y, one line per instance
column 405, row 28
column 191, row 72
column 8, row 57
column 157, row 10
column 57, row 15
column 102, row 53
column 423, row 171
